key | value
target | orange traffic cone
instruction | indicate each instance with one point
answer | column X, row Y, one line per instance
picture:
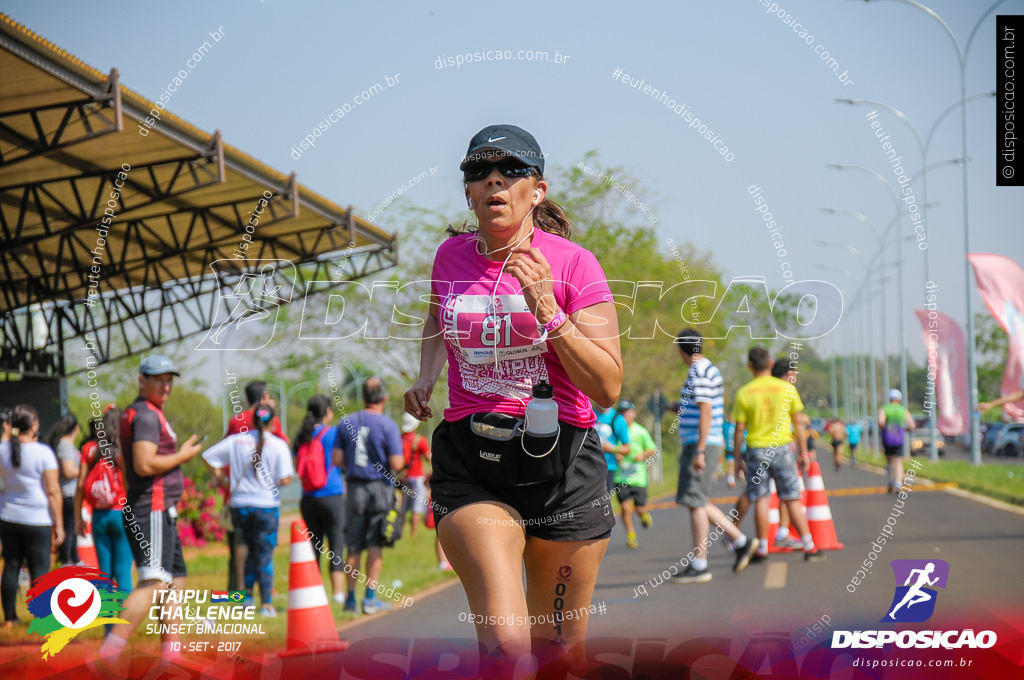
column 314, row 646
column 86, row 547
column 819, row 515
column 310, row 622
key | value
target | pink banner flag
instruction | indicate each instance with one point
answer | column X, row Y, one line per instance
column 947, row 371
column 1001, row 284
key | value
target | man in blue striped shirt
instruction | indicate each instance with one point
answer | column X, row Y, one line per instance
column 700, row 417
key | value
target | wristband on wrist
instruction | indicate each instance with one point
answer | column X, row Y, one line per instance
column 557, row 320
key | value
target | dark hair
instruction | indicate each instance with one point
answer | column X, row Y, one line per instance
column 780, row 368
column 261, row 417
column 374, row 391
column 111, row 429
column 22, row 418
column 316, row 408
column 254, row 391
column 759, row 359
column 690, row 341
column 64, row 426
column 547, row 216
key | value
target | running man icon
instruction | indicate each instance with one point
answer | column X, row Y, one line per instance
column 915, row 595
column 257, row 296
column 919, row 579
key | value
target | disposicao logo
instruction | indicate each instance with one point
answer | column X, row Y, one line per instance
column 913, row 602
column 70, row 600
column 916, row 575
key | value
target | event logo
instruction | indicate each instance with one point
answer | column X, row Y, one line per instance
column 257, row 295
column 70, row 600
column 914, row 601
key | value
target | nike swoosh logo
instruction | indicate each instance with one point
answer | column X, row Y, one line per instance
column 495, row 139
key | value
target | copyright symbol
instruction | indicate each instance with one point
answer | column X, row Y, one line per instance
column 1007, row 171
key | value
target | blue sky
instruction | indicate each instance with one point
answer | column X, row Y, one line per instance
column 282, row 66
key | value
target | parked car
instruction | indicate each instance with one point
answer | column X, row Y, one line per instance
column 988, row 440
column 1010, row 440
column 921, row 439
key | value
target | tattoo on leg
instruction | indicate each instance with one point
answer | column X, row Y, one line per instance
column 561, row 584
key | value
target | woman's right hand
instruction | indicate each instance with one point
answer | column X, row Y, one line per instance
column 57, row 535
column 80, row 527
column 417, row 399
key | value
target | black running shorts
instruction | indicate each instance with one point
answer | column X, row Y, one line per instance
column 575, row 507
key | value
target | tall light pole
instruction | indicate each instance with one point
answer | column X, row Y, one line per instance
column 922, row 147
column 972, row 369
column 899, row 257
column 878, row 254
column 856, row 301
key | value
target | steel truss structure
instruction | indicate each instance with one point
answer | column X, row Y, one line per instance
column 109, row 236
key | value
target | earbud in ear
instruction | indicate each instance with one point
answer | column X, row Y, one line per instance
column 469, row 202
column 536, row 197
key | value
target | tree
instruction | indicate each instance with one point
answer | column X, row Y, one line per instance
column 993, row 352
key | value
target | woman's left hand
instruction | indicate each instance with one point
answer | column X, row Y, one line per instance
column 529, row 266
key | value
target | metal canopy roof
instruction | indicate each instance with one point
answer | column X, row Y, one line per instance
column 66, row 132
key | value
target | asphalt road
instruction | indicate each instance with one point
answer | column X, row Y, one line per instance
column 982, row 544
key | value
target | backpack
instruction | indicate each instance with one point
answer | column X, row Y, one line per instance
column 102, row 487
column 892, row 435
column 312, row 468
column 408, row 455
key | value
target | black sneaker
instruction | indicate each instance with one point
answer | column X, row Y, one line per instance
column 816, row 556
column 691, row 575
column 758, row 558
column 744, row 554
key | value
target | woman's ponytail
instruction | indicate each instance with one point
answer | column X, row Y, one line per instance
column 316, row 409
column 22, row 419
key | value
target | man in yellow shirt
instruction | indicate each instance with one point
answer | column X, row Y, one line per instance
column 764, row 409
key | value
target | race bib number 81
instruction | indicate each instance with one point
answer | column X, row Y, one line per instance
column 508, row 329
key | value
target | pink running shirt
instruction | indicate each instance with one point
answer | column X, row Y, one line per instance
column 463, row 281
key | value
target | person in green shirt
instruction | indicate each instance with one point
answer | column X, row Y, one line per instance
column 891, row 419
column 631, row 476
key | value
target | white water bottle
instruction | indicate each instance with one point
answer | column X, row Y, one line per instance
column 542, row 411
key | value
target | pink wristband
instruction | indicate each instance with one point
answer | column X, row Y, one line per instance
column 556, row 321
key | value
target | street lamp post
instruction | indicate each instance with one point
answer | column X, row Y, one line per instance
column 899, row 287
column 881, row 247
column 922, row 147
column 972, row 369
column 867, row 288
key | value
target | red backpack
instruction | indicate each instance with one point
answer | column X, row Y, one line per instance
column 312, row 467
column 102, row 486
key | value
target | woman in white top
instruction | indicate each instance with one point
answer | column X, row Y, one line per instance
column 258, row 463
column 31, row 520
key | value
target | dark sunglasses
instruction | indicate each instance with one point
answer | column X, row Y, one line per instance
column 479, row 170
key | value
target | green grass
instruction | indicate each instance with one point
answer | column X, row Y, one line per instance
column 413, row 561
column 1001, row 482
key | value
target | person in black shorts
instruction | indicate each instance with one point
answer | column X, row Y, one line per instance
column 154, row 484
column 372, row 445
column 523, row 317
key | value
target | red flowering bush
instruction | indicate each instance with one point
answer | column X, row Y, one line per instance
column 198, row 520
